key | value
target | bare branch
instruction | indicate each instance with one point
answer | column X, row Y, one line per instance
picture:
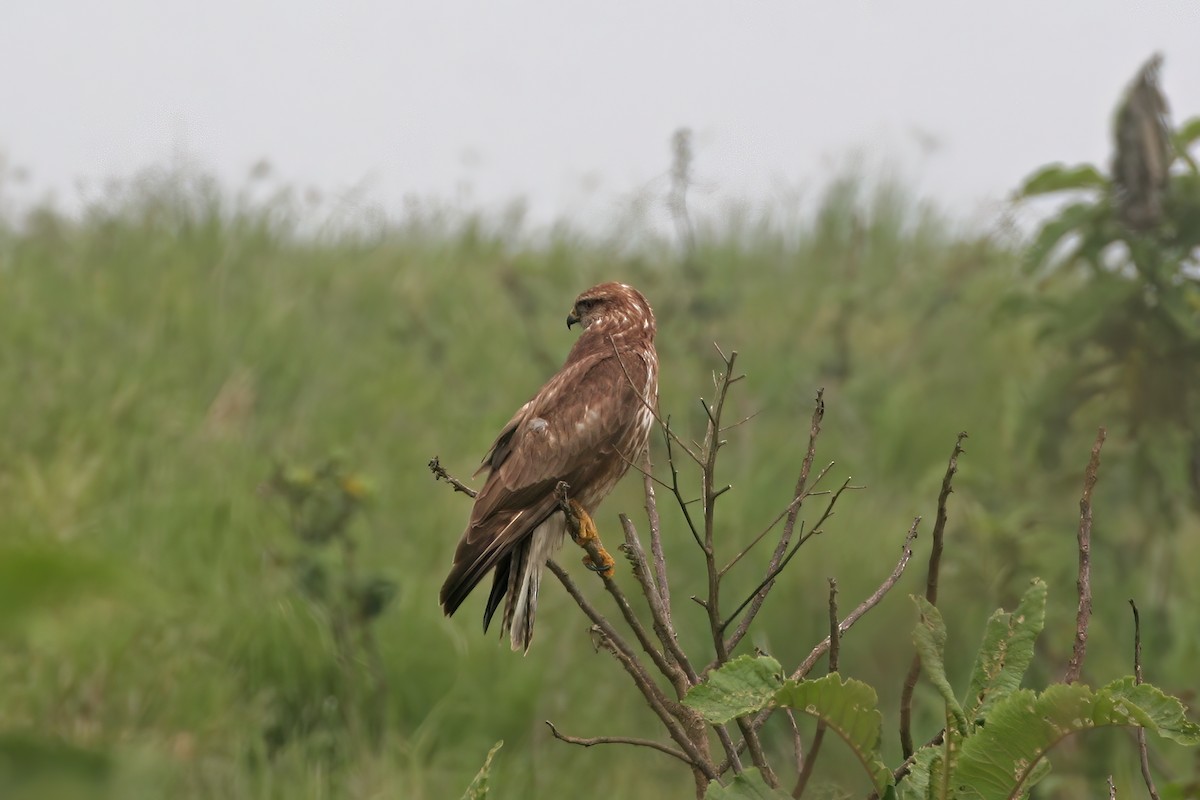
column 440, row 474
column 656, row 546
column 756, row 598
column 662, row 625
column 854, row 616
column 931, row 591
column 1112, row 789
column 835, row 638
column 866, row 605
column 615, row 644
column 795, row 502
column 595, row 740
column 1143, row 753
column 1084, row 582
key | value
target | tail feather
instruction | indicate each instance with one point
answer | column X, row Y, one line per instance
column 524, row 580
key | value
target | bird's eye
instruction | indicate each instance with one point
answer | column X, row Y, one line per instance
column 586, row 303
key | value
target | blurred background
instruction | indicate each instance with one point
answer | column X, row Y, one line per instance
column 259, row 264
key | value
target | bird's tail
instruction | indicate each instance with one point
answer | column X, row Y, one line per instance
column 524, row 578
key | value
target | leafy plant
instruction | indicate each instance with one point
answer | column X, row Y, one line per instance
column 321, row 503
column 1118, row 285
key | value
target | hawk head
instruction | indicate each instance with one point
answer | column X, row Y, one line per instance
column 612, row 307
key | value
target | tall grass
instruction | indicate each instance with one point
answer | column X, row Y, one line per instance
column 163, row 349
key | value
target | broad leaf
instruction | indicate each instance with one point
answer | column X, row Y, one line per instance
column 1003, row 757
column 1007, row 651
column 1060, row 178
column 1187, row 134
column 850, row 709
column 479, row 787
column 743, row 686
column 747, row 786
column 1077, row 218
column 930, row 638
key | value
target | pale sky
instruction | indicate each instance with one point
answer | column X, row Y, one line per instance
column 572, row 104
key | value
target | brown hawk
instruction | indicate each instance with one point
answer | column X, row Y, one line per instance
column 584, row 427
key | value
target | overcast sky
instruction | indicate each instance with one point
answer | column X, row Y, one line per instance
column 572, row 104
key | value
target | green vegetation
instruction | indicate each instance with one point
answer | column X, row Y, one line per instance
column 167, row 348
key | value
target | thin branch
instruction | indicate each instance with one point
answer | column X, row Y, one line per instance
column 854, row 616
column 656, row 546
column 662, row 625
column 931, row 592
column 668, row 438
column 794, row 503
column 1143, row 753
column 1084, row 582
column 440, row 474
column 596, row 553
column 778, row 560
column 1112, row 789
column 756, row 598
column 616, row 645
column 835, row 638
column 595, row 740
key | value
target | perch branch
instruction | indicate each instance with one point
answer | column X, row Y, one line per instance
column 931, row 592
column 1084, row 582
column 615, row 644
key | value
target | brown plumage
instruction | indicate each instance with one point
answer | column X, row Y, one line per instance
column 583, row 427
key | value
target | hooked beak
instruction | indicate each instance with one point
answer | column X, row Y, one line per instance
column 571, row 320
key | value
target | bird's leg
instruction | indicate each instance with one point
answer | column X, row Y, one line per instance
column 585, row 535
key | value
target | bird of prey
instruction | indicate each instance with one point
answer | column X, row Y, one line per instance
column 584, row 426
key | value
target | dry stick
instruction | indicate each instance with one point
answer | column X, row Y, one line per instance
column 440, row 474
column 712, row 446
column 624, row 654
column 1143, row 753
column 854, row 616
column 662, row 625
column 1084, row 582
column 818, row 737
column 775, row 565
column 594, row 549
column 931, row 589
column 594, row 740
column 767, row 582
column 1112, row 789
column 656, row 547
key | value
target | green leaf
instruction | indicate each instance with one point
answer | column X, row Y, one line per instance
column 1061, row 178
column 747, row 786
column 1002, row 758
column 1075, row 218
column 850, row 709
column 1007, row 651
column 1187, row 134
column 743, row 686
column 479, row 787
column 930, row 638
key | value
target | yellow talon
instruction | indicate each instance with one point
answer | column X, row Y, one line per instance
column 586, row 534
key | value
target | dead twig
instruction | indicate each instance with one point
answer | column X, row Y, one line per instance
column 1084, row 582
column 778, row 559
column 440, row 474
column 1143, row 753
column 595, row 740
column 819, row 737
column 931, row 591
column 620, row 649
